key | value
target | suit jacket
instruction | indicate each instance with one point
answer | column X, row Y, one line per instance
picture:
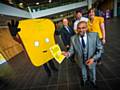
column 94, row 47
column 65, row 35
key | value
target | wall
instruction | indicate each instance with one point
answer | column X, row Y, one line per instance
column 8, row 46
column 107, row 4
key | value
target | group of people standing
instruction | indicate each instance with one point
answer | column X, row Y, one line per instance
column 85, row 40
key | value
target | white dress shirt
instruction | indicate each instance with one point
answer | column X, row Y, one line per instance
column 84, row 37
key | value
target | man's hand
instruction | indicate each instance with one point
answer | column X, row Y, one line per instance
column 103, row 41
column 67, row 46
column 89, row 61
column 66, row 54
column 13, row 28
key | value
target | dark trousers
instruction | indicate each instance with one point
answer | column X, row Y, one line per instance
column 51, row 65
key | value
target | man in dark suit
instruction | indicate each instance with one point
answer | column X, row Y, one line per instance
column 88, row 49
column 66, row 33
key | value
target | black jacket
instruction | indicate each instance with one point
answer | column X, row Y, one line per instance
column 65, row 35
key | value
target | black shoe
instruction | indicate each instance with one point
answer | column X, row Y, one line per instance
column 82, row 83
column 87, row 84
column 93, row 85
column 99, row 63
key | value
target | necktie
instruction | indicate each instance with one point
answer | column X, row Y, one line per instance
column 83, row 42
column 84, row 50
column 68, row 29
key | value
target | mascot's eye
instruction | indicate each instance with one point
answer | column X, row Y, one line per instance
column 47, row 40
column 36, row 43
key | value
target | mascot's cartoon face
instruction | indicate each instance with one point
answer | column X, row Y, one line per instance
column 37, row 36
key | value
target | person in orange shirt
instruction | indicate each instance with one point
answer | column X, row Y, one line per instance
column 96, row 24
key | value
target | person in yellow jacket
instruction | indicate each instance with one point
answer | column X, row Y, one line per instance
column 96, row 24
